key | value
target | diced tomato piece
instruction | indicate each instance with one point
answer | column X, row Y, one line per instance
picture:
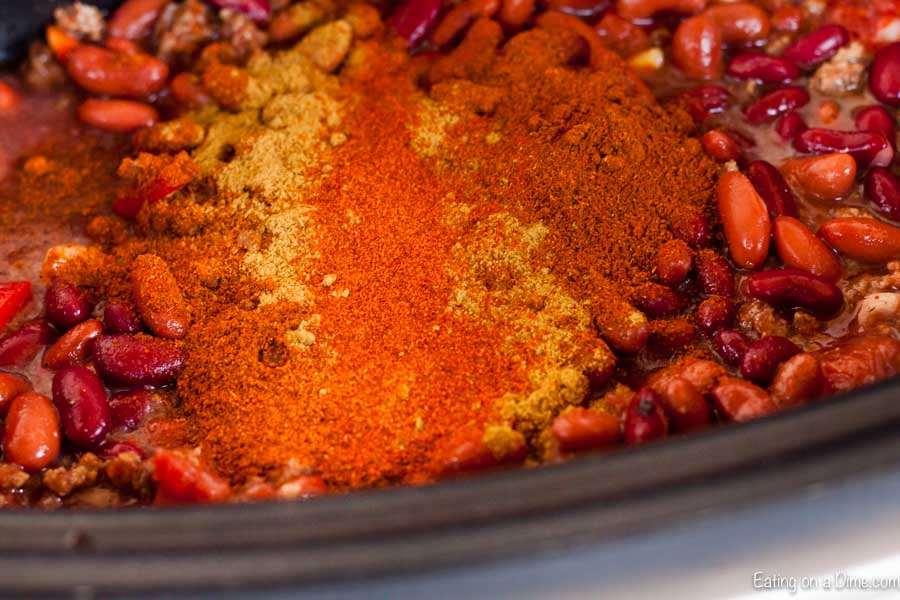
column 183, row 480
column 129, row 204
column 872, row 22
column 13, row 298
column 60, row 42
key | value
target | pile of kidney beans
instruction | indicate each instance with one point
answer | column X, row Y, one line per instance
column 797, row 100
column 66, row 338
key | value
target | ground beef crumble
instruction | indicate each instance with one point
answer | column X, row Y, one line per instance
column 81, row 20
column 62, row 481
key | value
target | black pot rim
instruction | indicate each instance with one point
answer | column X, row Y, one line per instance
column 593, row 498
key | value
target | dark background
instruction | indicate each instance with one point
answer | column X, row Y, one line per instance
column 21, row 22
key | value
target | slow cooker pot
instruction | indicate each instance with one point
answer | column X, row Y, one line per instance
column 480, row 518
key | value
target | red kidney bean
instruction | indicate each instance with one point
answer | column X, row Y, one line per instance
column 826, row 177
column 10, row 387
column 472, row 454
column 883, row 189
column 817, row 46
column 19, row 347
column 628, row 339
column 66, row 305
column 740, row 401
column 740, row 22
column 697, row 48
column 884, row 75
column 598, row 364
column 109, row 73
column 694, row 228
column 797, row 381
column 514, row 14
column 790, row 125
column 121, row 318
column 706, row 100
column 674, row 262
column 621, row 35
column 83, row 406
column 624, row 328
column 799, row 248
column 121, row 45
column 862, row 238
column 31, row 438
column 772, row 188
column 579, row 429
column 183, row 480
column 75, row 346
column 731, row 345
column 128, row 409
column 742, row 140
column 761, row 67
column 878, row 119
column 134, row 19
column 459, row 17
column 763, row 357
column 859, row 361
column 777, row 102
column 668, row 336
column 158, row 297
column 720, row 146
column 258, row 11
column 702, row 374
column 745, row 219
column 645, row 419
column 866, row 147
column 796, row 289
column 715, row 313
column 188, row 91
column 658, row 301
column 686, row 407
column 643, row 9
column 120, row 116
column 714, row 274
column 138, row 360
column 413, row 20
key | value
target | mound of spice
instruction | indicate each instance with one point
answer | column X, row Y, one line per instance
column 430, row 263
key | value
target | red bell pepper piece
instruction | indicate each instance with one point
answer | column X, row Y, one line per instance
column 185, row 481
column 13, row 298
